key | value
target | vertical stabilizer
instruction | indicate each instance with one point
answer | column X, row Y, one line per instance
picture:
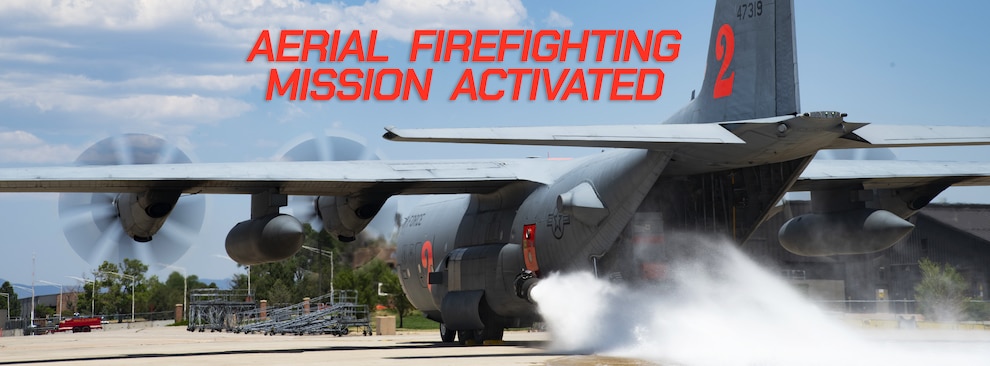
column 752, row 64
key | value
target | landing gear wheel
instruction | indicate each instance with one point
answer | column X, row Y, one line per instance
column 446, row 335
column 492, row 333
column 464, row 336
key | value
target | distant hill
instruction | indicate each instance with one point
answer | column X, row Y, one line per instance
column 40, row 289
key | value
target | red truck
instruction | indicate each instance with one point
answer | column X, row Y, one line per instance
column 79, row 324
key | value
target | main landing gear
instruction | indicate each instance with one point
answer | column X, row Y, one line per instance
column 472, row 337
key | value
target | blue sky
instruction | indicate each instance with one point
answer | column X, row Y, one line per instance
column 72, row 74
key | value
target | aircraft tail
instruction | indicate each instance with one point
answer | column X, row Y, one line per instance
column 752, row 64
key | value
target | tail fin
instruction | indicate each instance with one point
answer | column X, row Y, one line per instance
column 752, row 64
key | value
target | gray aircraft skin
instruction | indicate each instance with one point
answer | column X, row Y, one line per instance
column 468, row 256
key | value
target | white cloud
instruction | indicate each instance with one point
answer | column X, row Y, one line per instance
column 119, row 14
column 398, row 18
column 26, row 49
column 557, row 20
column 243, row 19
column 158, row 107
column 79, row 94
column 24, row 147
column 168, row 66
column 227, row 82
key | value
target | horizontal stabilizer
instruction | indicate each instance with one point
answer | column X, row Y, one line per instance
column 620, row 136
column 876, row 136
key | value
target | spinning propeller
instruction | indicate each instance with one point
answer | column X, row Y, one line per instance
column 334, row 147
column 92, row 223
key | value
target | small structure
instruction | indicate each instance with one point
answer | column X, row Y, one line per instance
column 216, row 309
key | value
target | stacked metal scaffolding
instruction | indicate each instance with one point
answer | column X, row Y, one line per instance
column 328, row 314
column 334, row 313
column 217, row 310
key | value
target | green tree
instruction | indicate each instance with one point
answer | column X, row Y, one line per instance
column 114, row 292
column 109, row 299
column 366, row 280
column 85, row 298
column 159, row 296
column 941, row 292
column 43, row 311
column 280, row 293
column 15, row 306
column 285, row 274
column 396, row 296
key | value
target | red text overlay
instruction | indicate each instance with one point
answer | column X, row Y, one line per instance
column 545, row 64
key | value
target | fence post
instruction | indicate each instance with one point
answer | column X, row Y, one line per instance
column 178, row 313
column 264, row 309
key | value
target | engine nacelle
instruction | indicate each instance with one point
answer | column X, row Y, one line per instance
column 143, row 214
column 268, row 239
column 857, row 231
column 347, row 216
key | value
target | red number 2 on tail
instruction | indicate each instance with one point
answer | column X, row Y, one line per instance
column 723, row 84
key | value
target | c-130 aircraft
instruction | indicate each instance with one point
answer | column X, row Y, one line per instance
column 469, row 256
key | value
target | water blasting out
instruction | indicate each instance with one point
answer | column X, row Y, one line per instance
column 719, row 308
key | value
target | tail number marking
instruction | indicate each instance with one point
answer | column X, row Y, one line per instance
column 723, row 84
column 749, row 10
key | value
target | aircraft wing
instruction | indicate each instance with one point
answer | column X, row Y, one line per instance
column 882, row 136
column 293, row 178
column 869, row 174
column 852, row 135
column 623, row 136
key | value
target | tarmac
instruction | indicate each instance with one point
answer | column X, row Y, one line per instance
column 176, row 346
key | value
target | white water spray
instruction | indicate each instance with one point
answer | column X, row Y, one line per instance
column 722, row 309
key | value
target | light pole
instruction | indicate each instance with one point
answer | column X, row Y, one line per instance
column 92, row 308
column 33, row 257
column 185, row 286
column 58, row 307
column 133, row 289
column 324, row 253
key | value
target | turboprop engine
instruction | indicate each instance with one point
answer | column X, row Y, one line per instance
column 347, row 216
column 142, row 214
column 155, row 226
column 846, row 232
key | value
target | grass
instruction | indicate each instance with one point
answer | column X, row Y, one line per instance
column 418, row 321
column 415, row 320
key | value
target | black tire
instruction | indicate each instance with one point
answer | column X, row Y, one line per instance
column 492, row 333
column 447, row 335
column 474, row 336
column 86, row 329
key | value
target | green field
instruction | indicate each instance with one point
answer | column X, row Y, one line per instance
column 417, row 321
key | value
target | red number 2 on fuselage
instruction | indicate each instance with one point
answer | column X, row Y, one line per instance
column 723, row 84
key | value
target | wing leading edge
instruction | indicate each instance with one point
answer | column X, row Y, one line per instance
column 870, row 174
column 293, row 178
column 854, row 135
